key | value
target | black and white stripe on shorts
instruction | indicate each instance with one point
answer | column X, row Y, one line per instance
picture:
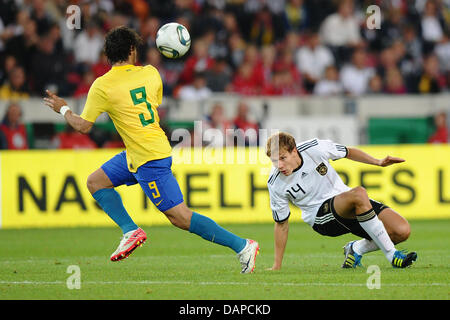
column 324, row 219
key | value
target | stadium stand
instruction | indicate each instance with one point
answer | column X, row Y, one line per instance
column 262, row 50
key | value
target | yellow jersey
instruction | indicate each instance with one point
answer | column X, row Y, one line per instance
column 130, row 95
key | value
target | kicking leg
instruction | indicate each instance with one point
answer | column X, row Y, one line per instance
column 182, row 217
column 161, row 187
column 166, row 195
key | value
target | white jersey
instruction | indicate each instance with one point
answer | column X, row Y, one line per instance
column 310, row 184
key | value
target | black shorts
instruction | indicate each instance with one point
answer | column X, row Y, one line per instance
column 329, row 223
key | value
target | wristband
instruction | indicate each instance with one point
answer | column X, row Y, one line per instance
column 63, row 110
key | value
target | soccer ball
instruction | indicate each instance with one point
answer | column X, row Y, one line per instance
column 173, row 40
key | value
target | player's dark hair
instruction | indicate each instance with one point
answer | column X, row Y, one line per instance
column 119, row 42
column 279, row 141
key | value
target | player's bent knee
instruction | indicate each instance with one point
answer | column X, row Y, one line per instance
column 359, row 195
column 98, row 180
column 179, row 216
column 403, row 231
column 359, row 192
column 400, row 233
column 91, row 183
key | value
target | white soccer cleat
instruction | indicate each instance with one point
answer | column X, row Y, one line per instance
column 130, row 241
column 247, row 256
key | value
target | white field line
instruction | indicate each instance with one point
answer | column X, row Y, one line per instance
column 223, row 283
column 106, row 258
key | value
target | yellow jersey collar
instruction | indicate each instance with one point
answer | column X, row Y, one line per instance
column 123, row 67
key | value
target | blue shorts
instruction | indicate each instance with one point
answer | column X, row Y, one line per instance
column 155, row 178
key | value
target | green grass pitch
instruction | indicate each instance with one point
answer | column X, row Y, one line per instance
column 176, row 265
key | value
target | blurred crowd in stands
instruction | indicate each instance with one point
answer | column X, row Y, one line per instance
column 265, row 47
column 249, row 47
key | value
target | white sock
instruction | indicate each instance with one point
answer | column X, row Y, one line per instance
column 364, row 246
column 375, row 229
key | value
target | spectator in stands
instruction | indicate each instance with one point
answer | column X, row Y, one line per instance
column 228, row 29
column 88, row 45
column 330, row 84
column 140, row 8
column 394, row 82
column 430, row 79
column 13, row 130
column 230, row 23
column 148, row 30
column 102, row 66
column 8, row 64
column 218, row 78
column 251, row 56
column 252, row 59
column 391, row 29
column 5, row 34
column 216, row 43
column 10, row 28
column 441, row 131
column 61, row 16
column 71, row 139
column 244, row 82
column 16, row 86
column 236, row 47
column 199, row 61
column 406, row 63
column 39, row 14
column 216, row 128
column 432, row 26
column 47, row 67
column 376, row 85
column 247, row 129
column 312, row 60
column 356, row 75
column 285, row 61
column 387, row 61
column 442, row 51
column 295, row 15
column 85, row 84
column 283, row 84
column 263, row 68
column 292, row 41
column 168, row 75
column 341, row 31
column 24, row 45
column 54, row 33
column 276, row 86
column 262, row 30
column 413, row 47
column 197, row 90
column 237, row 30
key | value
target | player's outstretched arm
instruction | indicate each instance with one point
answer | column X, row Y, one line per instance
column 360, row 156
column 281, row 231
column 59, row 105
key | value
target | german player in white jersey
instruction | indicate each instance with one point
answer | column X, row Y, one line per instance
column 302, row 175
